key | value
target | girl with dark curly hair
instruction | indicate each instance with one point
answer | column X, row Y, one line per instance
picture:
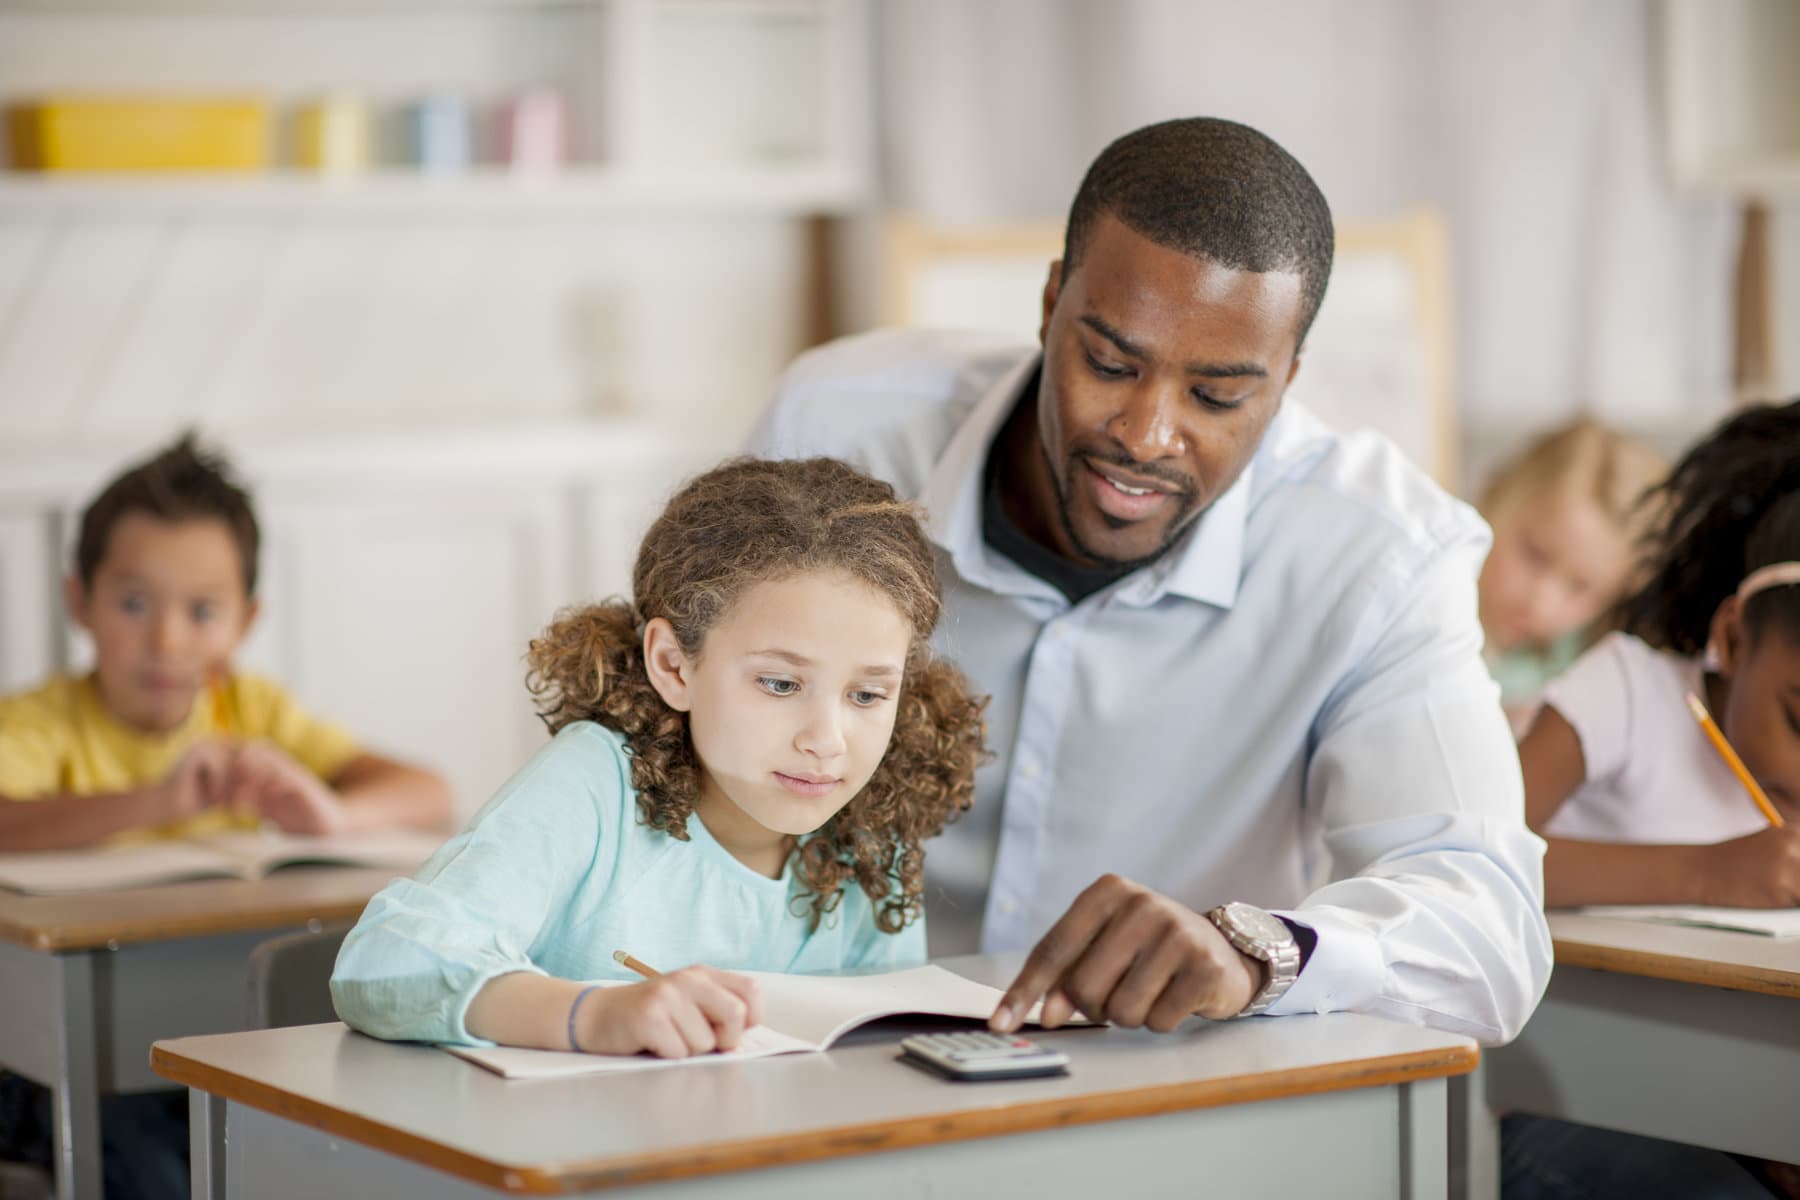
column 747, row 761
column 1638, row 806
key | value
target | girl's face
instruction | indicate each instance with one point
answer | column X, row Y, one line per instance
column 790, row 703
column 1555, row 566
column 1761, row 715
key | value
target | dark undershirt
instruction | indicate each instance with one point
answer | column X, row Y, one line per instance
column 1074, row 581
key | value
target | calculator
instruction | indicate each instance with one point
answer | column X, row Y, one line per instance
column 979, row 1055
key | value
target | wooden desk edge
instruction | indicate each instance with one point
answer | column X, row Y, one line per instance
column 663, row 1166
column 1736, row 977
column 98, row 935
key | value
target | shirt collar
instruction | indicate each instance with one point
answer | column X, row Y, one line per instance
column 1205, row 564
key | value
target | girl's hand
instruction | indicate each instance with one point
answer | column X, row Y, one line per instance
column 695, row 1010
column 1761, row 870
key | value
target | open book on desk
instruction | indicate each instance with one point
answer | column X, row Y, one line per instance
column 1769, row 922
column 801, row 1013
column 240, row 855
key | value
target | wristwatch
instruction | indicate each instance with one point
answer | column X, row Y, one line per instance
column 1264, row 937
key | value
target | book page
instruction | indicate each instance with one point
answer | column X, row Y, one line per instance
column 63, row 872
column 264, row 850
column 1768, row 922
column 800, row 1013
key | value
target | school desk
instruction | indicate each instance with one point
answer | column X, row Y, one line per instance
column 1340, row 1105
column 88, row 981
column 1666, row 1031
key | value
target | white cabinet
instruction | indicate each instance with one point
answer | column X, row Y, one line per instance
column 401, row 579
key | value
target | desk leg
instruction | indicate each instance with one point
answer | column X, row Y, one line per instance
column 206, row 1145
column 75, row 1096
column 1474, row 1138
column 1424, row 1155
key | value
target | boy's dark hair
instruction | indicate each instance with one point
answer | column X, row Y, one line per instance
column 181, row 483
column 1216, row 190
column 1732, row 506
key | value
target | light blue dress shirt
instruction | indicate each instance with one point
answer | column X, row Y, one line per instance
column 554, row 874
column 1288, row 708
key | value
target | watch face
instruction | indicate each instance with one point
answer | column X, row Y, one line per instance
column 1256, row 923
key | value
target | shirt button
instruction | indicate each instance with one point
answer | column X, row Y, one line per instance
column 1008, row 908
column 1029, row 770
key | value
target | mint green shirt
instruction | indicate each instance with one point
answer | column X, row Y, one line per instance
column 554, row 874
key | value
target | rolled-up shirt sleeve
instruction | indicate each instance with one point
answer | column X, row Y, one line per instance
column 426, row 945
column 1433, row 913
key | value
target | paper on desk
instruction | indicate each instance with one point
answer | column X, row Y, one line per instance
column 801, row 1013
column 1768, row 922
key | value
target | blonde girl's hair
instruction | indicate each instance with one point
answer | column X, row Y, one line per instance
column 752, row 521
column 1616, row 472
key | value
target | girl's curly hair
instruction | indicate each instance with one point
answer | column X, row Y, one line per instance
column 1730, row 507
column 752, row 521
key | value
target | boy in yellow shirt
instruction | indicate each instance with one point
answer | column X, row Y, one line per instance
column 163, row 739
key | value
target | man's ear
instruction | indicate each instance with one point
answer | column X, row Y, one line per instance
column 1726, row 640
column 1052, row 289
column 667, row 665
column 1293, row 369
column 75, row 596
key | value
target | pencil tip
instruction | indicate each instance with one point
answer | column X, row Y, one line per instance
column 1698, row 709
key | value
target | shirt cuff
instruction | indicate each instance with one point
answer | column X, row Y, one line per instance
column 1343, row 973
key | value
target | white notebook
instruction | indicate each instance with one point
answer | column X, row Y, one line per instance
column 240, row 855
column 801, row 1013
column 1769, row 922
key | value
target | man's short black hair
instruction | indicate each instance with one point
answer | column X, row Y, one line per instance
column 181, row 483
column 1216, row 190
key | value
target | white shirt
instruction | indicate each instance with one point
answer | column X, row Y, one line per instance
column 1292, row 695
column 1651, row 774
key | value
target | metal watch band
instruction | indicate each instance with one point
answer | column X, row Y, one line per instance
column 1281, row 954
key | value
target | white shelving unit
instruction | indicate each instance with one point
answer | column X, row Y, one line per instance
column 1732, row 122
column 662, row 274
column 1732, row 95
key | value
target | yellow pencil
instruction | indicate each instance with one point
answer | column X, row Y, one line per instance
column 1736, row 764
column 625, row 960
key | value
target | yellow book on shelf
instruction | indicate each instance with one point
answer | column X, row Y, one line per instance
column 140, row 134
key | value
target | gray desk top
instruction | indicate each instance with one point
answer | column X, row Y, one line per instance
column 1745, row 962
column 555, row 1135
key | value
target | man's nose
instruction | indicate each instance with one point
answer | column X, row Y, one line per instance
column 1145, row 426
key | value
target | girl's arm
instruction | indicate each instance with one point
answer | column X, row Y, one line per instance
column 1758, row 871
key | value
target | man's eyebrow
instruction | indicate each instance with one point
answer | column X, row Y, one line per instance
column 1236, row 370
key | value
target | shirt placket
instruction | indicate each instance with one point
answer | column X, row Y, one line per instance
column 1021, row 859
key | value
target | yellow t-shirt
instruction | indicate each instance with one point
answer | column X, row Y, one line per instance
column 61, row 739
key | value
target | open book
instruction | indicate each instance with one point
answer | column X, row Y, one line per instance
column 800, row 1013
column 240, row 855
column 1769, row 922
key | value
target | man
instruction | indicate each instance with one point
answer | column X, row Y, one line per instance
column 1233, row 655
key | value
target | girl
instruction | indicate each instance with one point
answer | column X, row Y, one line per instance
column 1638, row 806
column 745, row 764
column 1565, row 516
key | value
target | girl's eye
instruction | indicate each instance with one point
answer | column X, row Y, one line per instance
column 867, row 699
column 204, row 612
column 776, row 686
column 134, row 604
column 1104, row 369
